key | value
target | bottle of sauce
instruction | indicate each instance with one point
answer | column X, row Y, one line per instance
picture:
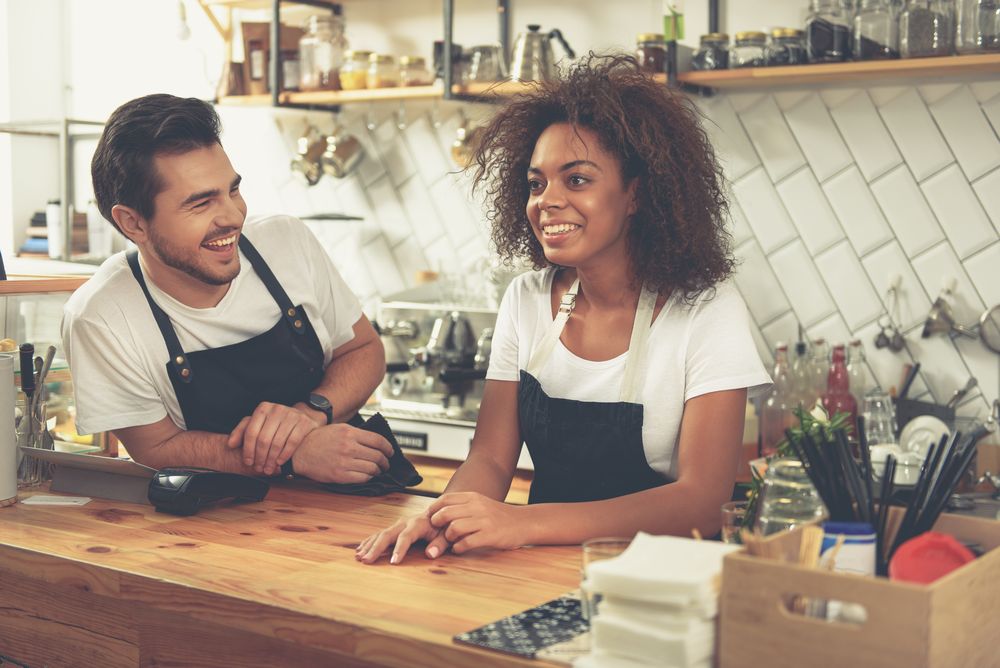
column 838, row 398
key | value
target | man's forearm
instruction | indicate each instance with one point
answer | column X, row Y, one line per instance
column 350, row 379
column 195, row 448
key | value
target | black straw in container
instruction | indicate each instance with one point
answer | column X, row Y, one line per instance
column 27, row 351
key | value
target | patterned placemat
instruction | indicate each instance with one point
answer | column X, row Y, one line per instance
column 528, row 633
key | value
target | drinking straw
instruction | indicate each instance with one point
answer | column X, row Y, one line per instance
column 885, row 493
column 916, row 500
column 866, row 461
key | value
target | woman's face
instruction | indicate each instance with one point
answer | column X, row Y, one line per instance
column 578, row 204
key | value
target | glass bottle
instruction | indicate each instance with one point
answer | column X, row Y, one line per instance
column 354, row 71
column 838, row 397
column 978, row 26
column 713, row 52
column 413, row 71
column 876, row 35
column 321, row 53
column 927, row 28
column 382, row 71
column 820, row 366
column 651, row 52
column 788, row 497
column 787, row 47
column 857, row 374
column 803, row 395
column 776, row 412
column 748, row 50
column 828, row 36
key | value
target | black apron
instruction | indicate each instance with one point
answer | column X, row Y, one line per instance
column 586, row 450
column 218, row 387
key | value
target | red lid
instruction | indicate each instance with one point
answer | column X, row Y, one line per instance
column 928, row 557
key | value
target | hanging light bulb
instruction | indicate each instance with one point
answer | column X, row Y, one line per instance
column 183, row 30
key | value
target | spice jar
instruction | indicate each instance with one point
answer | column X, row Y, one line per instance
column 321, row 53
column 787, row 47
column 927, row 28
column 382, row 71
column 712, row 53
column 354, row 71
column 651, row 52
column 828, row 36
column 875, row 31
column 413, row 71
column 978, row 26
column 748, row 51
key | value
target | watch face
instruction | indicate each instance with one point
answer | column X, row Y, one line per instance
column 319, row 402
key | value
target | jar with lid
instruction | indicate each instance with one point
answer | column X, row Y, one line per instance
column 712, row 53
column 321, row 52
column 787, row 47
column 651, row 52
column 876, row 35
column 382, row 71
column 354, row 71
column 828, row 37
column 413, row 71
column 927, row 28
column 978, row 26
column 748, row 50
column 788, row 498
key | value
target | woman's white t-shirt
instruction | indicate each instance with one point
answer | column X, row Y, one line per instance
column 692, row 350
column 118, row 356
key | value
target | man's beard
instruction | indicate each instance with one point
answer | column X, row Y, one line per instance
column 178, row 259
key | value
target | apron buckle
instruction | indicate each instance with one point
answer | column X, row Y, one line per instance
column 567, row 304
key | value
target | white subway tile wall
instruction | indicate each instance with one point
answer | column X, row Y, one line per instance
column 834, row 194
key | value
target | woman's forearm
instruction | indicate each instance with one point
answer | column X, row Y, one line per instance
column 481, row 473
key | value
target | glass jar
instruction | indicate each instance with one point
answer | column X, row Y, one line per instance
column 382, row 71
column 321, row 53
column 32, row 431
column 651, row 52
column 978, row 26
column 788, row 498
column 413, row 71
column 927, row 28
column 828, row 37
column 354, row 71
column 787, row 47
column 713, row 53
column 748, row 51
column 876, row 35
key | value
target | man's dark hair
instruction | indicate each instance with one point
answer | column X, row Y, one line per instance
column 677, row 238
column 123, row 170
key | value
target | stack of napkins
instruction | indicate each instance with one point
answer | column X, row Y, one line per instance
column 660, row 600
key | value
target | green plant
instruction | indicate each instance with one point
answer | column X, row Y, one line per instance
column 815, row 423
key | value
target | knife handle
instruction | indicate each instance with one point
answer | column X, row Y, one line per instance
column 27, row 368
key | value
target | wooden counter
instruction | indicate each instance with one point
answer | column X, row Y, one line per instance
column 272, row 583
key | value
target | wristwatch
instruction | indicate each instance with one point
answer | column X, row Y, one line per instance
column 318, row 402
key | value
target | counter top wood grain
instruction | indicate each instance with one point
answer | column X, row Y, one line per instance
column 271, row 583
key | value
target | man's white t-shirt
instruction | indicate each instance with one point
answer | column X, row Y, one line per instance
column 692, row 350
column 117, row 354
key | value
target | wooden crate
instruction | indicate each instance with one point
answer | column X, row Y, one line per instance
column 953, row 622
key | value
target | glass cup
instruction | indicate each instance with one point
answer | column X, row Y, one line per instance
column 880, row 418
column 31, row 431
column 788, row 498
column 594, row 550
column 733, row 517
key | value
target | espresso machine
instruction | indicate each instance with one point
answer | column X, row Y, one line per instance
column 437, row 355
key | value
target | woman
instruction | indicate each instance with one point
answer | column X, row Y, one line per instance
column 624, row 362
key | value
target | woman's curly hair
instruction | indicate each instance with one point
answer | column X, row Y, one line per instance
column 677, row 237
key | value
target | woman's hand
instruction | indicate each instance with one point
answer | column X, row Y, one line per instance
column 470, row 520
column 400, row 536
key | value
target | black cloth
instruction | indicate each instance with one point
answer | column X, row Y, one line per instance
column 218, row 387
column 401, row 473
column 582, row 450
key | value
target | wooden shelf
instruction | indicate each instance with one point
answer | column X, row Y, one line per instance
column 19, row 284
column 398, row 94
column 845, row 73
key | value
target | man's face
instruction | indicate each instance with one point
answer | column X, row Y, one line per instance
column 199, row 215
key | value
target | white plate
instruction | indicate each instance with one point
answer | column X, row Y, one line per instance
column 921, row 433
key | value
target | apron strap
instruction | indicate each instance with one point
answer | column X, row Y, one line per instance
column 177, row 357
column 289, row 312
column 637, row 343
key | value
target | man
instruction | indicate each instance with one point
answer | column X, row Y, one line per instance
column 222, row 342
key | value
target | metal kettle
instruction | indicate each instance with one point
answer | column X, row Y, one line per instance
column 533, row 58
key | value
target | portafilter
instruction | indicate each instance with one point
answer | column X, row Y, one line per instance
column 306, row 163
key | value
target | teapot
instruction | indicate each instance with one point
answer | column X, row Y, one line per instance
column 533, row 58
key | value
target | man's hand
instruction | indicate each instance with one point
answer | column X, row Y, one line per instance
column 270, row 435
column 343, row 454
